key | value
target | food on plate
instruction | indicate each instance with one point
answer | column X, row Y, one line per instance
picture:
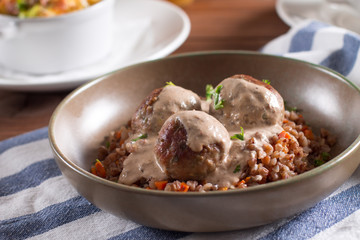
column 42, row 8
column 249, row 103
column 239, row 136
column 192, row 145
column 161, row 104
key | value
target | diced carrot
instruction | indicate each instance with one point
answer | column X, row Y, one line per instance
column 309, row 134
column 284, row 134
column 100, row 170
column 223, row 188
column 118, row 135
column 183, row 187
column 93, row 170
column 285, row 121
column 247, row 179
column 241, row 184
column 160, row 185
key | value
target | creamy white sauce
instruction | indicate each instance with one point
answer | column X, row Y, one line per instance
column 224, row 175
column 203, row 130
column 171, row 100
column 142, row 164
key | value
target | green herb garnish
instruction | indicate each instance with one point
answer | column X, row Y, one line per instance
column 266, row 81
column 217, row 102
column 324, row 156
column 142, row 136
column 318, row 162
column 291, row 109
column 237, row 169
column 107, row 144
column 239, row 136
column 170, row 84
column 209, row 92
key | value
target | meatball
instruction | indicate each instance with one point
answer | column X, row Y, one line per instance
column 161, row 104
column 191, row 145
column 248, row 103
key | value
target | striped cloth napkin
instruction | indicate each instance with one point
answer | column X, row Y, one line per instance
column 37, row 202
column 320, row 43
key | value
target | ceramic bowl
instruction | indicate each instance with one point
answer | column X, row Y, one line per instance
column 56, row 44
column 82, row 120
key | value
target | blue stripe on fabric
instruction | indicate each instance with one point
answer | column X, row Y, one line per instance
column 148, row 233
column 23, row 139
column 30, row 176
column 49, row 218
column 322, row 216
column 303, row 39
column 343, row 60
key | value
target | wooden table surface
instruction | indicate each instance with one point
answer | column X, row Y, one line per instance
column 216, row 25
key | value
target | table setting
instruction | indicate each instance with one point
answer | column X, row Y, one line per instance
column 47, row 193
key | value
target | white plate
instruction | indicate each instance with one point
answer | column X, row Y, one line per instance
column 144, row 30
column 342, row 13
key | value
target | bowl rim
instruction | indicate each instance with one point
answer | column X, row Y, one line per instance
column 351, row 149
column 61, row 17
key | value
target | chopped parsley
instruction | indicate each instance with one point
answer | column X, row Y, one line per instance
column 170, row 84
column 107, row 144
column 266, row 81
column 214, row 93
column 142, row 136
column 217, row 102
column 237, row 169
column 318, row 162
column 324, row 156
column 239, row 136
column 209, row 91
column 291, row 109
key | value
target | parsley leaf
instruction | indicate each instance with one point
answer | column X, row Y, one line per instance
column 217, row 102
column 324, row 156
column 209, row 91
column 318, row 162
column 170, row 84
column 291, row 109
column 237, row 169
column 266, row 81
column 142, row 136
column 239, row 136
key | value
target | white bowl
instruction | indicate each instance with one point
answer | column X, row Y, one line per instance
column 56, row 44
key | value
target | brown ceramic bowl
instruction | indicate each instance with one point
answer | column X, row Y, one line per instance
column 87, row 115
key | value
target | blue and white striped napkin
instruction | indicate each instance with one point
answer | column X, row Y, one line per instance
column 37, row 202
column 320, row 43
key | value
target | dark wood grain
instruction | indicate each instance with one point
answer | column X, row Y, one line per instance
column 216, row 25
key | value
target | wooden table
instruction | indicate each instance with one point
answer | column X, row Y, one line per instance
column 216, row 25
